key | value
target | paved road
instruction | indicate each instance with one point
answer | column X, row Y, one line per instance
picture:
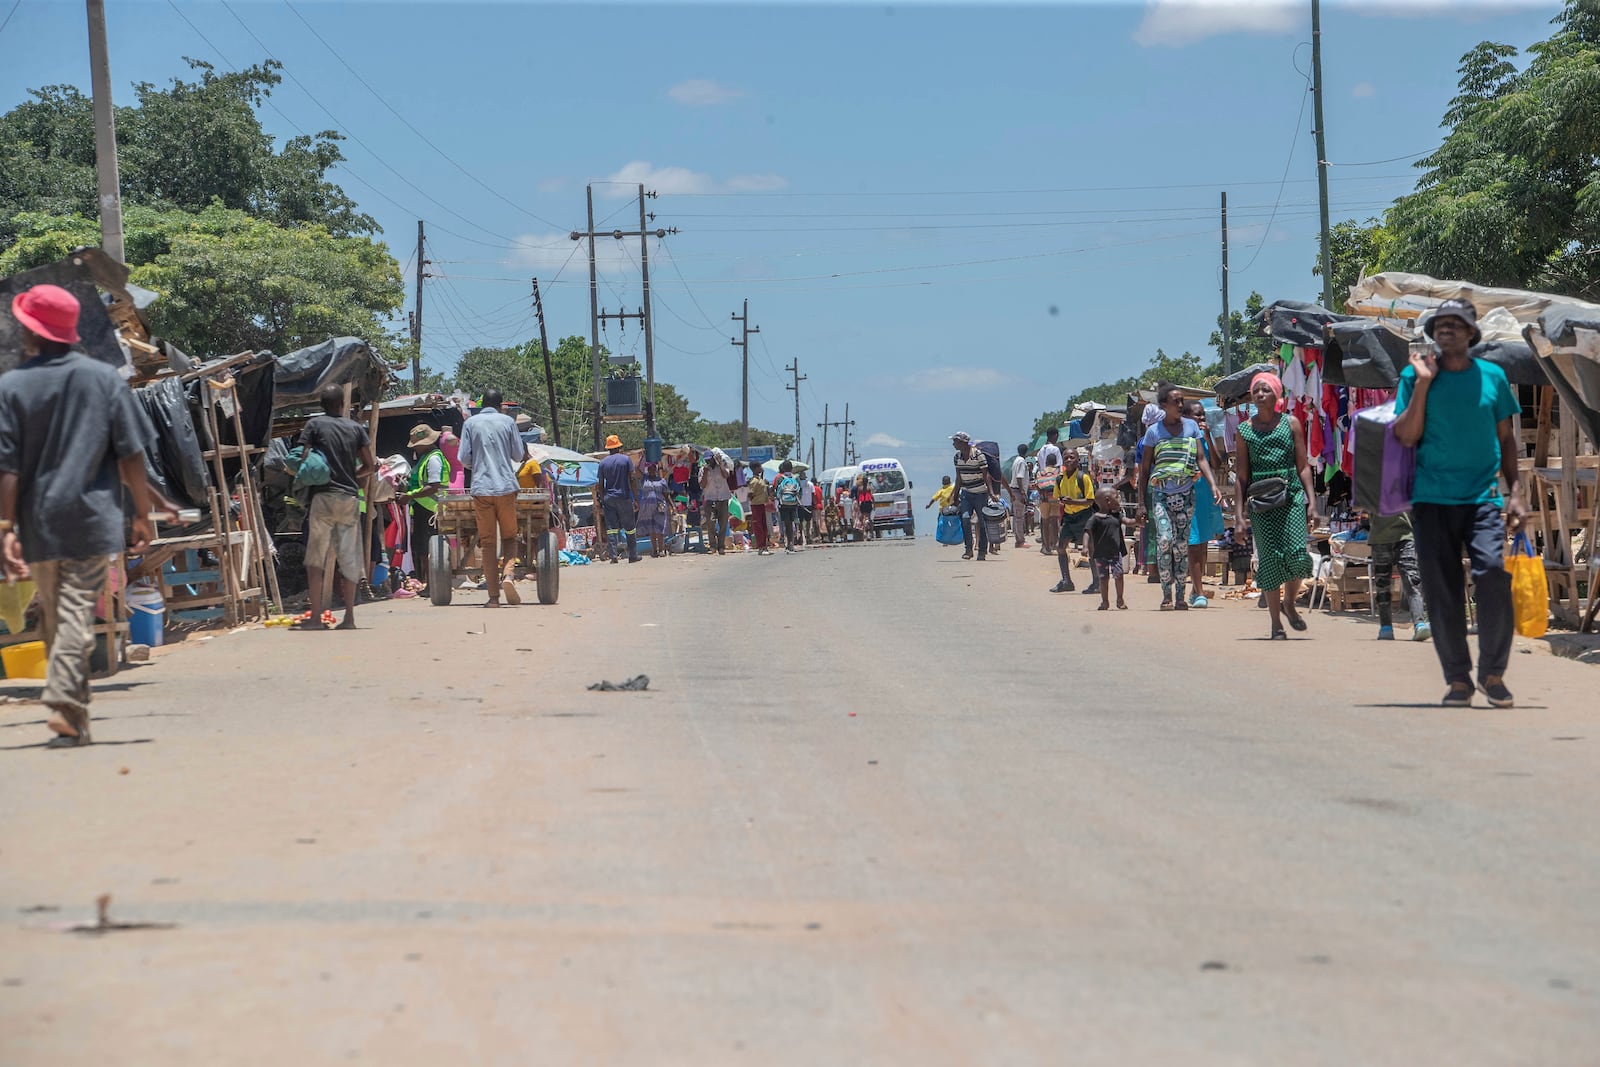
column 878, row 806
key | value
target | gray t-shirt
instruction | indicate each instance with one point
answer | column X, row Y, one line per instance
column 65, row 421
column 492, row 449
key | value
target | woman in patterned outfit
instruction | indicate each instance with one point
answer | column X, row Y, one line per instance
column 1172, row 460
column 1273, row 445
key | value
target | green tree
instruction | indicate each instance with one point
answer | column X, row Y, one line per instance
column 184, row 146
column 1355, row 248
column 1250, row 345
column 1512, row 196
column 510, row 370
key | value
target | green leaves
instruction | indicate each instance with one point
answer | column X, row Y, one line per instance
column 1508, row 198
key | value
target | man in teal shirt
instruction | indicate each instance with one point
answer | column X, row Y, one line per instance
column 1457, row 411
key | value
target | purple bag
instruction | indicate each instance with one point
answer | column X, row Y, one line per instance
column 1385, row 469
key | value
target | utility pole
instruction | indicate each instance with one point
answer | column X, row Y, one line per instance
column 644, row 312
column 847, row 424
column 824, row 425
column 794, row 368
column 649, row 338
column 416, row 316
column 1322, row 152
column 1227, row 319
column 105, row 135
column 744, row 359
column 549, row 377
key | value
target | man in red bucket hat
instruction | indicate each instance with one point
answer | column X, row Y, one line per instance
column 71, row 438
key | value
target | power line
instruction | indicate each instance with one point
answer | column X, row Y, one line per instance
column 346, row 130
column 1024, row 192
column 445, row 155
column 1294, row 143
column 1391, row 159
column 7, row 21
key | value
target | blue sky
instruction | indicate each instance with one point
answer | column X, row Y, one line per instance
column 952, row 215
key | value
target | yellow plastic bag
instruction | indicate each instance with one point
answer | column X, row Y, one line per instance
column 1530, row 594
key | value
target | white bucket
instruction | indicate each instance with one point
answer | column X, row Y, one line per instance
column 148, row 621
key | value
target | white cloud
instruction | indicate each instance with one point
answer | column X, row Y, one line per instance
column 883, row 440
column 1176, row 23
column 954, row 379
column 703, row 92
column 1364, row 90
column 682, row 180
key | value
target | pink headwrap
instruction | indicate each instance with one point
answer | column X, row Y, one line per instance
column 1273, row 382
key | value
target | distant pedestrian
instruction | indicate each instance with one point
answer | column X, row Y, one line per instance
column 808, row 504
column 1074, row 493
column 1167, row 474
column 655, row 503
column 71, row 437
column 716, row 489
column 334, row 516
column 1393, row 546
column 1017, row 485
column 787, row 490
column 430, row 475
column 492, row 449
column 1206, row 524
column 1273, row 499
column 620, row 499
column 759, row 517
column 944, row 496
column 861, row 497
column 1457, row 410
column 1107, row 546
column 1050, row 460
column 978, row 482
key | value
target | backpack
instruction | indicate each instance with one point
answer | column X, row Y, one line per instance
column 788, row 491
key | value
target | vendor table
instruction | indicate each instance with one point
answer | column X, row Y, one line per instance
column 453, row 548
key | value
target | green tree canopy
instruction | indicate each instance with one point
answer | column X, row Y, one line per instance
column 1250, row 345
column 1512, row 196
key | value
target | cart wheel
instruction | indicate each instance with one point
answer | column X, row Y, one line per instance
column 441, row 577
column 549, row 568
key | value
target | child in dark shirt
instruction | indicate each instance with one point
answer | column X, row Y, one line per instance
column 1238, row 544
column 1105, row 544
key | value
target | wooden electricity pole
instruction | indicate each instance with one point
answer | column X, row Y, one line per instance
column 416, row 316
column 744, row 401
column 794, row 368
column 1227, row 319
column 1322, row 152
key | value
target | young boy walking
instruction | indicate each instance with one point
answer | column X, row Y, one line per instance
column 1107, row 546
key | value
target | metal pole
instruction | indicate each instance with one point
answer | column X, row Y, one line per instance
column 824, row 436
column 1322, row 152
column 105, row 135
column 649, row 337
column 594, row 321
column 416, row 321
column 549, row 377
column 1227, row 318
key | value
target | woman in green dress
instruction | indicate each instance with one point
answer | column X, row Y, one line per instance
column 1272, row 445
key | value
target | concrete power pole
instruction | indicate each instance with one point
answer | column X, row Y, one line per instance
column 594, row 319
column 1227, row 319
column 848, row 424
column 105, row 135
column 549, row 377
column 824, row 426
column 416, row 316
column 643, row 314
column 794, row 368
column 744, row 359
column 1322, row 152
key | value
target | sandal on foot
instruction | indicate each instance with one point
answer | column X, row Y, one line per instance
column 1122, row 605
column 1103, row 607
column 308, row 624
column 1296, row 623
column 1279, row 634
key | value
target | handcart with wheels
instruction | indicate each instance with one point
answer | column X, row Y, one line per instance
column 453, row 546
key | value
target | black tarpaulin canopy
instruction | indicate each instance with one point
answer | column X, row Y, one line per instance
column 1571, row 361
column 301, row 375
column 1364, row 353
column 1294, row 322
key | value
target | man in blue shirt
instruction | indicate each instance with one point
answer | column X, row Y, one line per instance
column 1456, row 411
column 492, row 449
column 619, row 499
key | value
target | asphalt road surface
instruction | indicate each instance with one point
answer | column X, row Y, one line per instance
column 878, row 806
